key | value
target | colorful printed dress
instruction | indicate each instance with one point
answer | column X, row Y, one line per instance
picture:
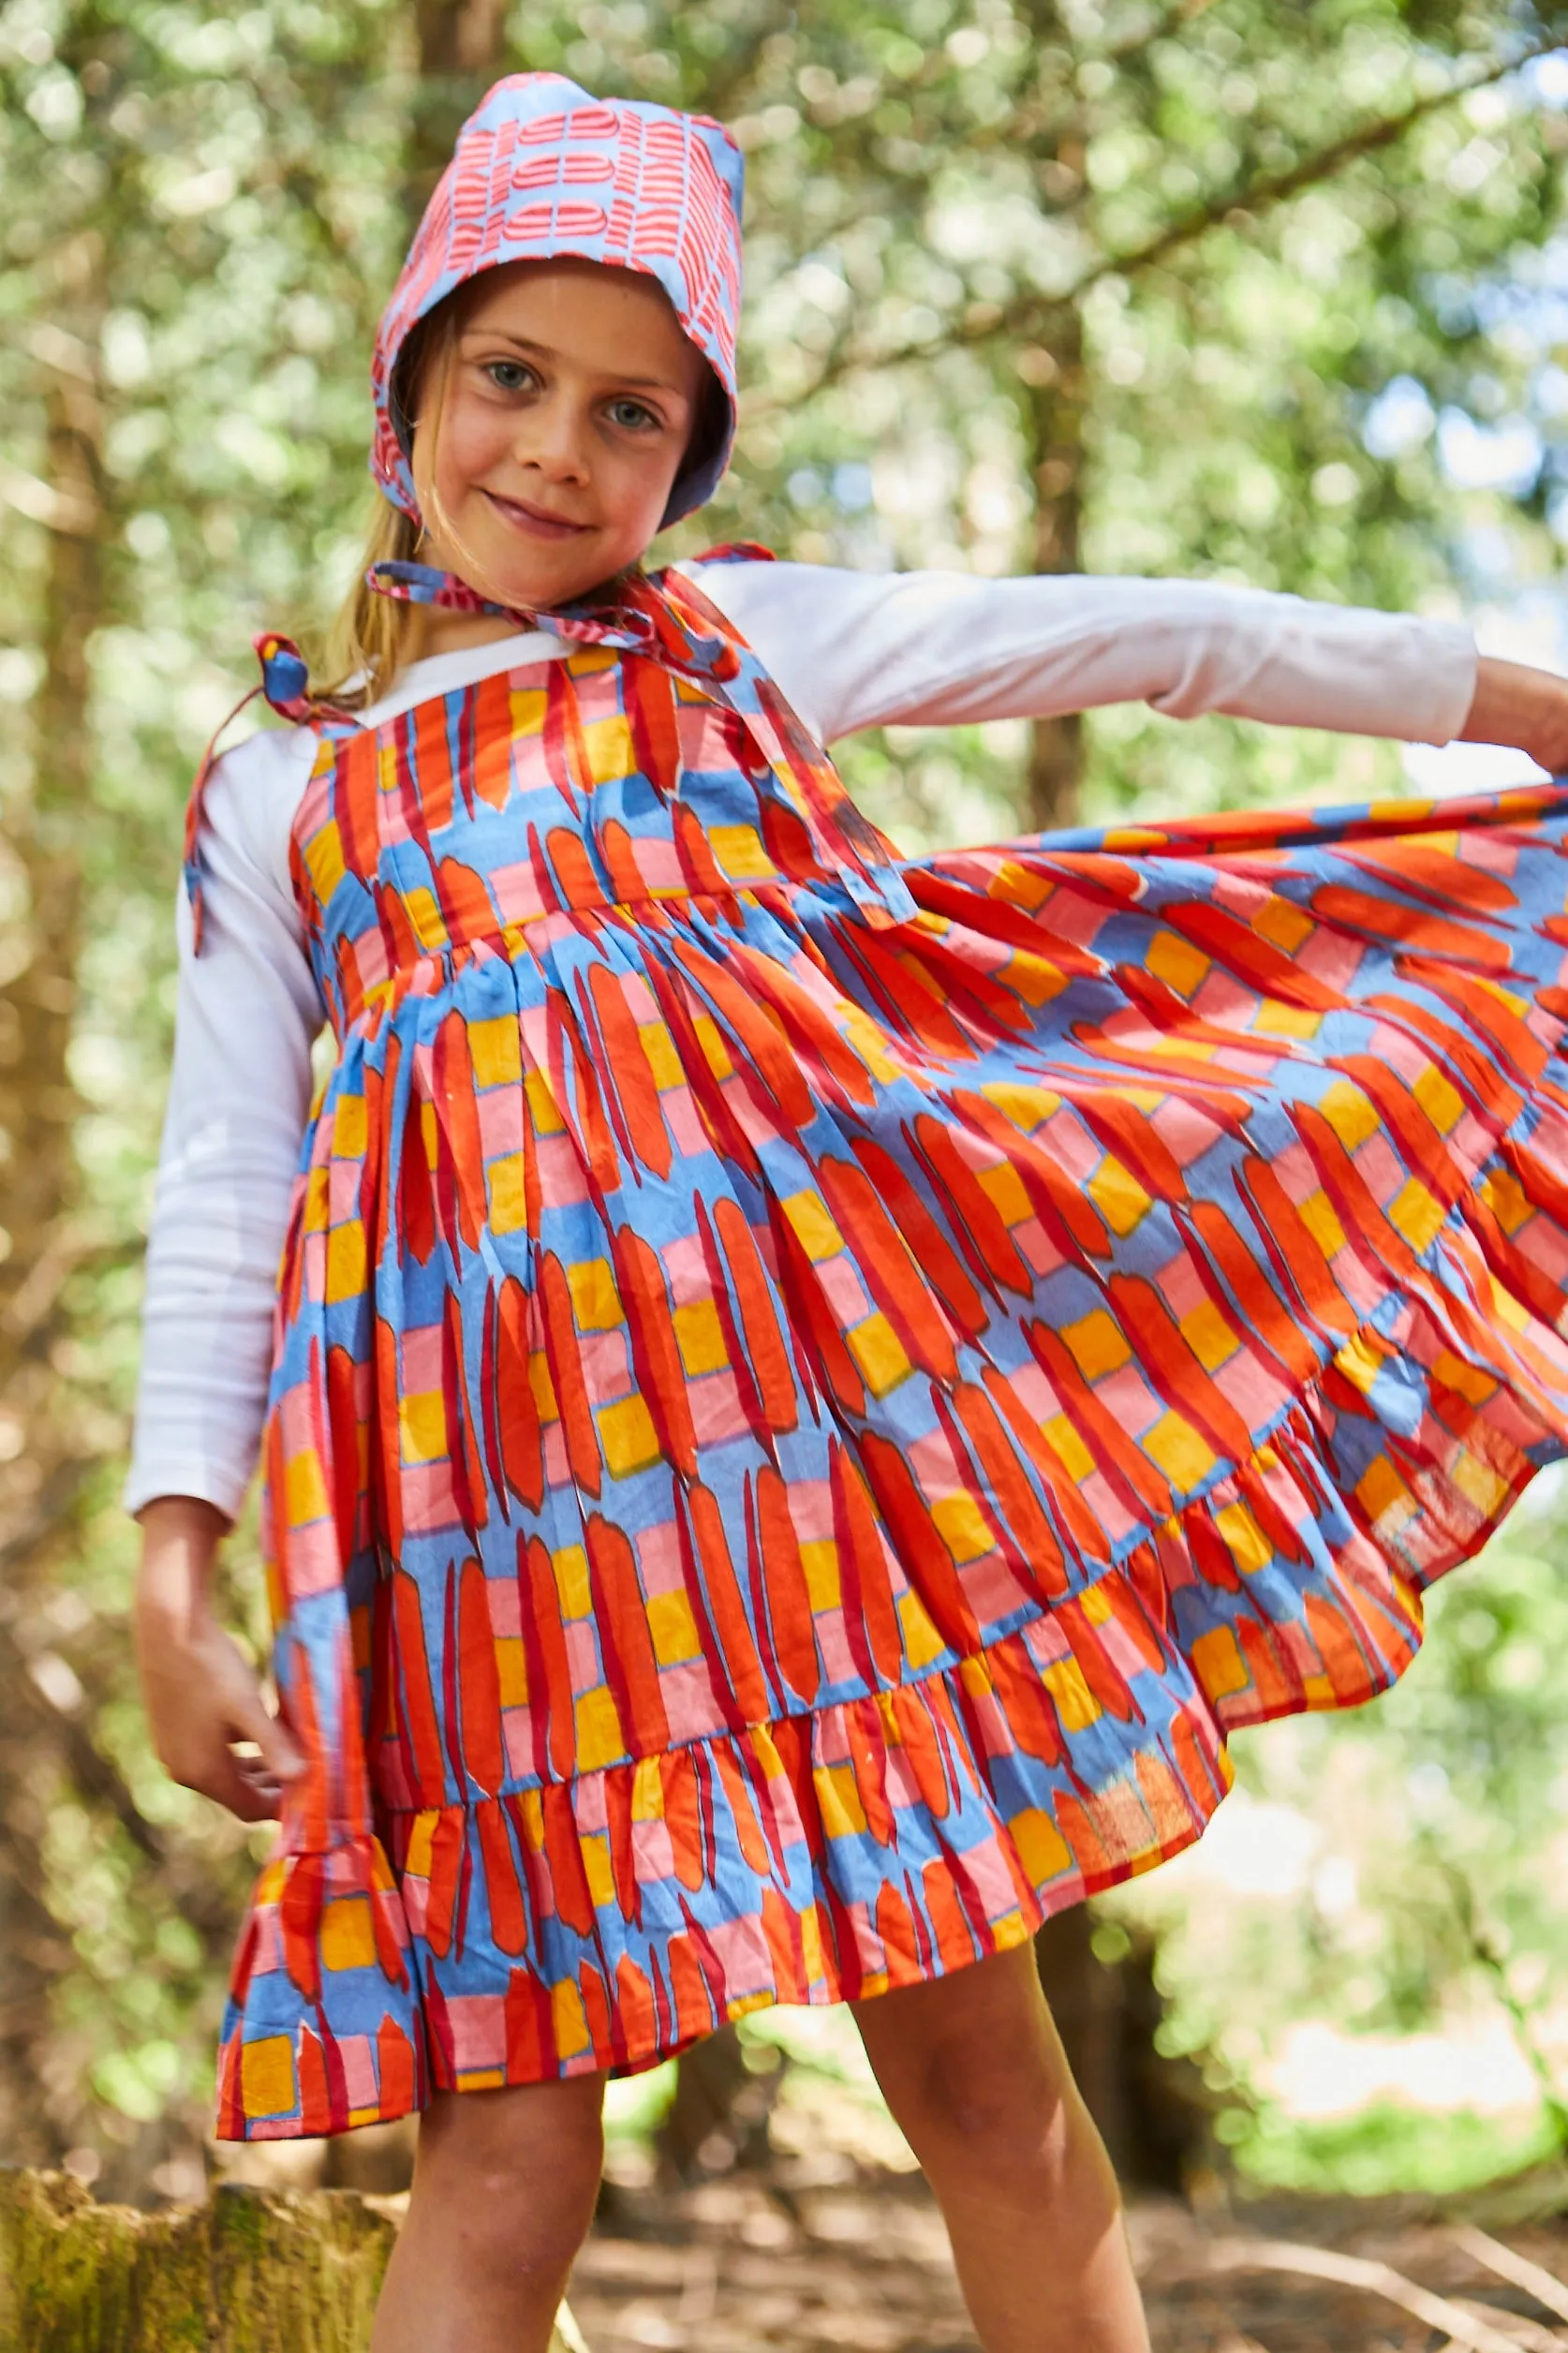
column 812, row 1390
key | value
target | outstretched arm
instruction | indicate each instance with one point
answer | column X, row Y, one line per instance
column 1524, row 707
column 854, row 649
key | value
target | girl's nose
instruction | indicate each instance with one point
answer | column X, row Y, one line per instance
column 555, row 439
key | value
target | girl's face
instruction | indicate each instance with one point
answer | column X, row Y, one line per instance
column 569, row 399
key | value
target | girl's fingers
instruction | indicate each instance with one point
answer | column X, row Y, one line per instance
column 251, row 1720
column 217, row 1773
column 276, row 1751
column 261, row 1784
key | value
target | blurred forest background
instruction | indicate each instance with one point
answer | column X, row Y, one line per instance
column 1263, row 290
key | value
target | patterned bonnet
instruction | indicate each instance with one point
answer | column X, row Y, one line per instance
column 542, row 168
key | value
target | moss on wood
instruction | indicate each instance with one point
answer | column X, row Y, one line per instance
column 249, row 2271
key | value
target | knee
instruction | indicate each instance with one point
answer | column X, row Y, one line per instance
column 996, row 2115
column 515, row 2176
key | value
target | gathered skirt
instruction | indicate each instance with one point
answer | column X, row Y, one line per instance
column 795, row 1437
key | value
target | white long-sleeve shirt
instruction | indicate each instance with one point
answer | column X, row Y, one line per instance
column 848, row 650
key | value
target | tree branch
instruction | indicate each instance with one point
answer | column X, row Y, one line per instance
column 39, row 503
column 1022, row 315
column 1171, row 20
column 727, row 80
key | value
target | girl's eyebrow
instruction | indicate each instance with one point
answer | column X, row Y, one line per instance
column 547, row 351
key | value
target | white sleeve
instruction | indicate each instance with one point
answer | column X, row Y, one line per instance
column 247, row 1013
column 935, row 649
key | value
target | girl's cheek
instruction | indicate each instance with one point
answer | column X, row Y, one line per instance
column 643, row 487
column 476, row 435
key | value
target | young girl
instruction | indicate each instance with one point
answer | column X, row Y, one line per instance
column 807, row 1391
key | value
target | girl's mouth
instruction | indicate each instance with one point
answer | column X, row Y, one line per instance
column 536, row 523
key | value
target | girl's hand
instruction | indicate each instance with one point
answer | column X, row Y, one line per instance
column 1524, row 707
column 204, row 1703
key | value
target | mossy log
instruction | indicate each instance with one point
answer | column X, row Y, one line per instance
column 249, row 2271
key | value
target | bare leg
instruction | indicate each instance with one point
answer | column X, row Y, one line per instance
column 504, row 2188
column 974, row 2072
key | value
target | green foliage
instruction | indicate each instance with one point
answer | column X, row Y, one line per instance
column 1385, row 2148
column 1396, row 1871
column 1136, row 274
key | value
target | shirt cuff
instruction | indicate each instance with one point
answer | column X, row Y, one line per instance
column 152, row 1476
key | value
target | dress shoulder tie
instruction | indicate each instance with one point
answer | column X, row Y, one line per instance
column 284, row 685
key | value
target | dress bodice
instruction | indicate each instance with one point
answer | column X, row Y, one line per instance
column 658, row 762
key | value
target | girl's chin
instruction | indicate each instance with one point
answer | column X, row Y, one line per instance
column 555, row 575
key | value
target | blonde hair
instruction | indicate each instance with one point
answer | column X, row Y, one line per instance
column 369, row 640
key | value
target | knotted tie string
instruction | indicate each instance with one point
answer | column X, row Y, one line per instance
column 585, row 623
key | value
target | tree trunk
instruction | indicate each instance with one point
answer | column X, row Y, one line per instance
column 41, row 1464
column 1052, row 407
column 461, row 45
column 719, row 2117
column 1155, row 2115
column 250, row 2271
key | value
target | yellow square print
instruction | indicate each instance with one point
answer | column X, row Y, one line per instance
column 963, row 1526
column 573, row 1587
column 305, row 1488
column 673, row 1628
column 599, row 1738
column 1176, row 962
column 1416, row 1213
column 348, row 1128
column 1006, row 1189
column 663, row 1060
column 1442, row 1103
column 1118, row 1195
column 1317, row 1215
column 544, row 1111
column 347, row 1933
column 511, row 1671
column 1349, row 1112
column 700, row 1336
column 595, row 1301
column 569, row 2017
column 1042, row 1848
column 1181, row 1453
column 627, row 1437
column 808, row 1213
column 323, row 857
column 509, row 1199
column 740, row 854
column 346, row 1260
column 1283, row 924
column 1209, row 1336
column 879, row 1352
column 1097, row 1342
column 422, row 1421
column 495, row 1050
column 267, row 2076
column 608, row 744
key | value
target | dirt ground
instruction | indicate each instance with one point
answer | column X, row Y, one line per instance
column 816, row 2250
column 810, row 2228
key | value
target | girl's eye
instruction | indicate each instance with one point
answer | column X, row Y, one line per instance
column 509, row 376
column 632, row 416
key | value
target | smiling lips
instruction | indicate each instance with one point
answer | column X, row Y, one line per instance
column 535, row 522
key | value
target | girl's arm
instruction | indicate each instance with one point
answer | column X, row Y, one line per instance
column 204, row 1706
column 1527, row 708
column 246, row 1016
column 853, row 650
column 247, row 1013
